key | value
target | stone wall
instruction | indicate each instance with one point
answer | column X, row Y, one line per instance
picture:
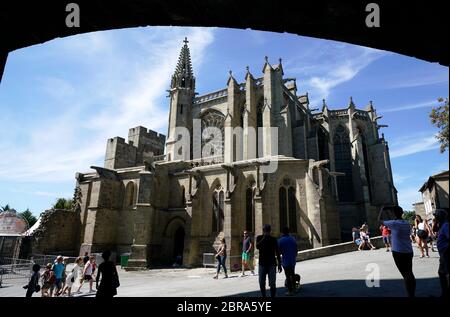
column 335, row 249
column 8, row 246
column 58, row 232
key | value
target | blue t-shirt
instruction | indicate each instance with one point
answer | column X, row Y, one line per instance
column 443, row 237
column 58, row 268
column 288, row 250
column 400, row 235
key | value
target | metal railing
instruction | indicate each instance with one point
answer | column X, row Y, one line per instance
column 21, row 269
column 14, row 269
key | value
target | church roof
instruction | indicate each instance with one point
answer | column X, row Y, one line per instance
column 184, row 66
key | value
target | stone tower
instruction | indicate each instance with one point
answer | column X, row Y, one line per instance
column 182, row 92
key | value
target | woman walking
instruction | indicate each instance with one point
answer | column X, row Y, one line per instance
column 221, row 257
column 423, row 231
column 73, row 276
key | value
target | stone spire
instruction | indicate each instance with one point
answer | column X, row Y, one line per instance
column 184, row 76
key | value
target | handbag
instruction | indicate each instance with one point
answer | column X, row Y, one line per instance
column 37, row 288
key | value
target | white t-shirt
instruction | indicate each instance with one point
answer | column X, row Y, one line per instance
column 421, row 226
column 400, row 235
column 88, row 268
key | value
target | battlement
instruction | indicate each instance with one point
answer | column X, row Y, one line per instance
column 140, row 134
column 119, row 154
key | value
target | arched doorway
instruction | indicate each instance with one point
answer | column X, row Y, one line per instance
column 178, row 245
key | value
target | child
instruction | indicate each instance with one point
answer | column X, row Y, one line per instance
column 33, row 284
column 46, row 279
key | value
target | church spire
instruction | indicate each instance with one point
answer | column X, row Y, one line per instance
column 184, row 76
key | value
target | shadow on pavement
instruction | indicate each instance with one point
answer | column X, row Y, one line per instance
column 428, row 287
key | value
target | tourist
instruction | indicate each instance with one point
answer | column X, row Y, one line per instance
column 423, row 231
column 401, row 247
column 247, row 250
column 441, row 217
column 413, row 234
column 85, row 258
column 94, row 266
column 356, row 236
column 365, row 239
column 64, row 274
column 221, row 256
column 386, row 235
column 87, row 275
column 108, row 277
column 33, row 284
column 73, row 276
column 288, row 250
column 434, row 233
column 269, row 259
column 58, row 269
column 48, row 278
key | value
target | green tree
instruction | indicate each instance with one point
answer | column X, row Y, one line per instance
column 439, row 118
column 63, row 203
column 29, row 217
column 5, row 208
column 410, row 216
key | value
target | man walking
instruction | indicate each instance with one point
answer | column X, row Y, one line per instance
column 269, row 259
column 402, row 251
column 288, row 250
column 247, row 250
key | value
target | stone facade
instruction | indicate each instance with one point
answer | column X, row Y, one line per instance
column 217, row 175
column 435, row 193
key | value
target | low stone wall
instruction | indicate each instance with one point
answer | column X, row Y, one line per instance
column 58, row 232
column 335, row 249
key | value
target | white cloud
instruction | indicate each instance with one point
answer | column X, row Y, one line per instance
column 421, row 80
column 331, row 65
column 399, row 179
column 123, row 88
column 426, row 104
column 413, row 143
column 408, row 196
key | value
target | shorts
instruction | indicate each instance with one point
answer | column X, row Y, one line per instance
column 87, row 277
column 246, row 257
column 358, row 241
column 57, row 284
column 386, row 239
column 403, row 261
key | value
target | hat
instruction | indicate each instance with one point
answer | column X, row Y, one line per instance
column 48, row 266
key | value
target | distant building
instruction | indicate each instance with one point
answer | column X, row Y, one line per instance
column 419, row 209
column 12, row 226
column 435, row 192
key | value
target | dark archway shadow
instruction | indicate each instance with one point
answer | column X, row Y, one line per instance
column 427, row 287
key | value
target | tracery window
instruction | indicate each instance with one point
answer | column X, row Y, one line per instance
column 212, row 133
column 343, row 164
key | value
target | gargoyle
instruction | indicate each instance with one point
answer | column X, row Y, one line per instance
column 232, row 179
column 106, row 173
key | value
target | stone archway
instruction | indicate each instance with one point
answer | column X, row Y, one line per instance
column 178, row 245
column 175, row 234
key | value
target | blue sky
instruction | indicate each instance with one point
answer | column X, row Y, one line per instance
column 61, row 100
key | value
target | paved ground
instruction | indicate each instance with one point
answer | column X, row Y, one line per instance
column 336, row 276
